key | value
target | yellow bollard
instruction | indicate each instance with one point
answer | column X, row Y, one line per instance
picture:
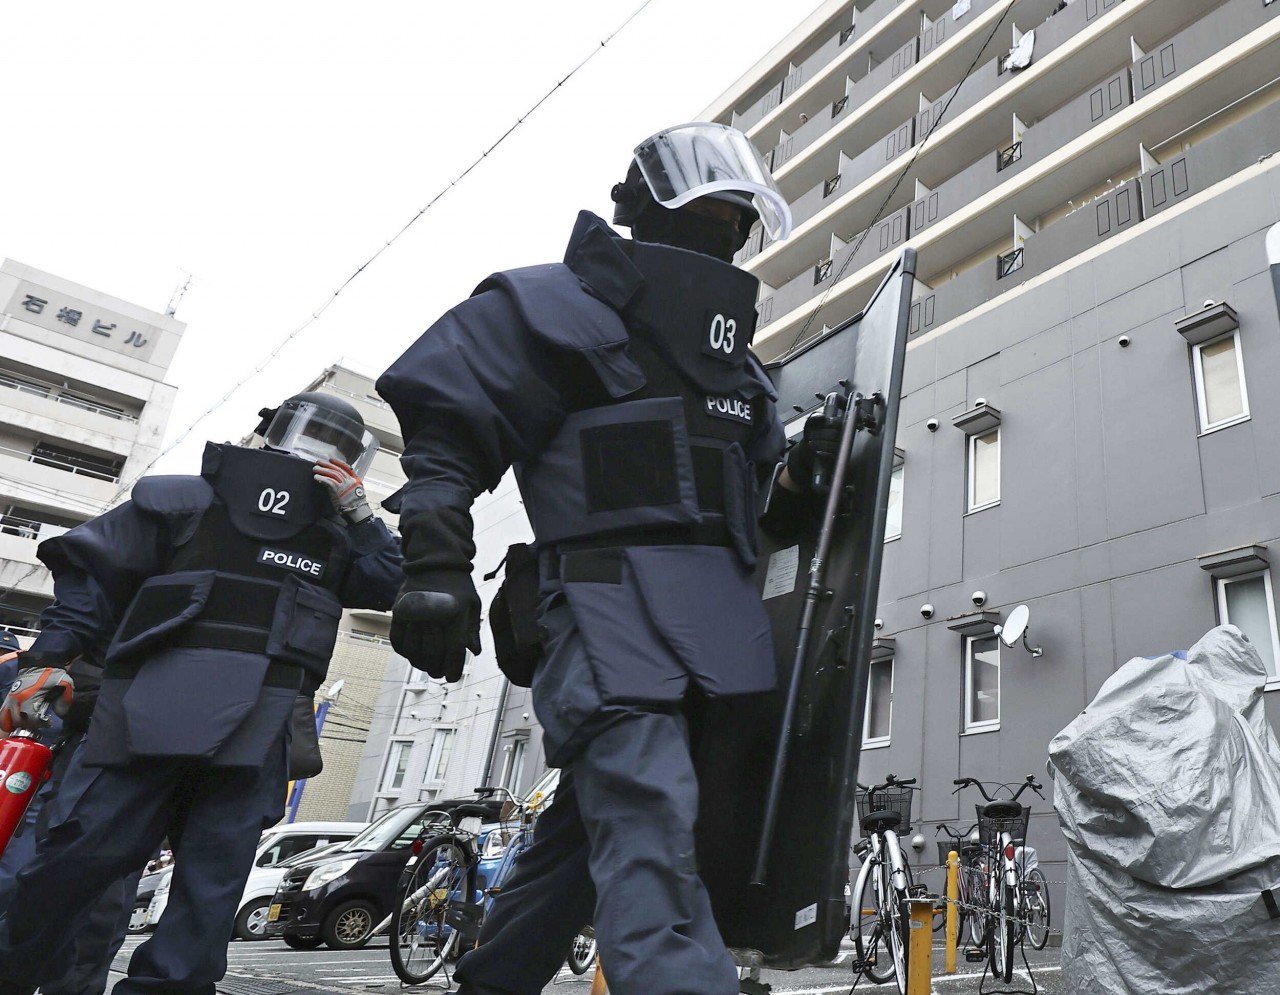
column 920, row 950
column 953, row 915
column 598, row 986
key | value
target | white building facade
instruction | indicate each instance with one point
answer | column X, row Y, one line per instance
column 83, row 410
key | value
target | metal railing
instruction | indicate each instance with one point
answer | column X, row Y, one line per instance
column 1009, row 262
column 47, row 391
column 1007, row 157
column 30, row 528
column 58, row 464
column 19, row 630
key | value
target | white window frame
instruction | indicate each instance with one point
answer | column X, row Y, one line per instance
column 513, row 763
column 388, row 772
column 972, row 463
column 1220, row 587
column 879, row 741
column 442, row 737
column 986, row 725
column 1202, row 405
column 899, row 474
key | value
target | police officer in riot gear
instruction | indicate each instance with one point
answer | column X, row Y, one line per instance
column 621, row 387
column 214, row 602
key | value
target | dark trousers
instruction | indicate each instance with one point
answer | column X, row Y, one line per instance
column 615, row 848
column 110, row 822
column 106, row 923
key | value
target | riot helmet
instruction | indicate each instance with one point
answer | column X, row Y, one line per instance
column 8, row 642
column 317, row 426
column 695, row 163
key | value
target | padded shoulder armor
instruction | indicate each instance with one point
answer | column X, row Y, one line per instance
column 181, row 500
column 176, row 494
column 552, row 302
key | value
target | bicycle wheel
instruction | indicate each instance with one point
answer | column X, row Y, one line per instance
column 1001, row 927
column 898, row 928
column 582, row 952
column 420, row 938
column 867, row 926
column 969, row 932
column 1037, row 909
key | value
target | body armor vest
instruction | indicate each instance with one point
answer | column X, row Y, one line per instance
column 259, row 575
column 668, row 458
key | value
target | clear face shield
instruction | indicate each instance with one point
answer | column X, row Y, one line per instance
column 314, row 433
column 689, row 161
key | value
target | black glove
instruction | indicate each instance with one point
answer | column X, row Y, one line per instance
column 436, row 618
column 817, row 447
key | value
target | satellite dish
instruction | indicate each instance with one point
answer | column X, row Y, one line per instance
column 1016, row 629
column 1016, row 626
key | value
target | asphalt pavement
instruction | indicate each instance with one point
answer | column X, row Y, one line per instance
column 270, row 968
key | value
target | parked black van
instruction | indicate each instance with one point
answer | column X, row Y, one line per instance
column 340, row 898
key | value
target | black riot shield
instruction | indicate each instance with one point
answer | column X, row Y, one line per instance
column 795, row 913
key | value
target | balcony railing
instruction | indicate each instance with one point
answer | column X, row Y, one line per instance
column 1007, row 157
column 45, row 460
column 1009, row 262
column 30, row 528
column 41, row 390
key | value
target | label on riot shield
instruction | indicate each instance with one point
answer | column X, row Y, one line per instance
column 784, row 567
column 807, row 915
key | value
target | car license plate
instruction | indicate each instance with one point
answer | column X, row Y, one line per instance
column 273, row 913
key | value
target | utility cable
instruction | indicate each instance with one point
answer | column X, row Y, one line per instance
column 383, row 248
column 937, row 123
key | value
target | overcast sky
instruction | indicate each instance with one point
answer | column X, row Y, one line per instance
column 269, row 148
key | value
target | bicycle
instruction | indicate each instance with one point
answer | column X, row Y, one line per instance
column 442, row 895
column 1002, row 828
column 884, row 885
column 970, row 886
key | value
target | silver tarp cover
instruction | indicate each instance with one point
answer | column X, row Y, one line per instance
column 1168, row 790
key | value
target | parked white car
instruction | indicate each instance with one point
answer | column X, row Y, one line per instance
column 278, row 845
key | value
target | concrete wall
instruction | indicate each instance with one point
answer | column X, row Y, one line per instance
column 1109, row 491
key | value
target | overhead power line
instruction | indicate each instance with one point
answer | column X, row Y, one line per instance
column 937, row 123
column 312, row 318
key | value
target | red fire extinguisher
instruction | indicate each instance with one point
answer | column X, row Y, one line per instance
column 24, row 767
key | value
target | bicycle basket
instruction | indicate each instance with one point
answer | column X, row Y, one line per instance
column 887, row 800
column 946, row 846
column 989, row 829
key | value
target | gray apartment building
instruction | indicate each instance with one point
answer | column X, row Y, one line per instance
column 1091, row 388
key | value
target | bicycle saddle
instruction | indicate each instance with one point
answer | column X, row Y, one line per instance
column 483, row 811
column 880, row 820
column 1002, row 810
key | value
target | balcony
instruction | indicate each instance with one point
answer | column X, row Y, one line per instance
column 30, row 528
column 1052, row 168
column 1175, row 54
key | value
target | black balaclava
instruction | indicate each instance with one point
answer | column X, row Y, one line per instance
column 688, row 230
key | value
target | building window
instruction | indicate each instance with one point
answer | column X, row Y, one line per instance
column 984, row 470
column 1247, row 603
column 981, row 683
column 397, row 764
column 513, row 767
column 875, row 730
column 1220, row 391
column 441, row 748
column 893, row 522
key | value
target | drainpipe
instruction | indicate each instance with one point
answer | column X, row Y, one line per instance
column 497, row 728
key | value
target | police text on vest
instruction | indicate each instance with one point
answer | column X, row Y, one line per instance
column 733, row 408
column 291, row 561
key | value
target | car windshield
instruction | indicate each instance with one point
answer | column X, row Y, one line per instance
column 309, row 855
column 395, row 830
